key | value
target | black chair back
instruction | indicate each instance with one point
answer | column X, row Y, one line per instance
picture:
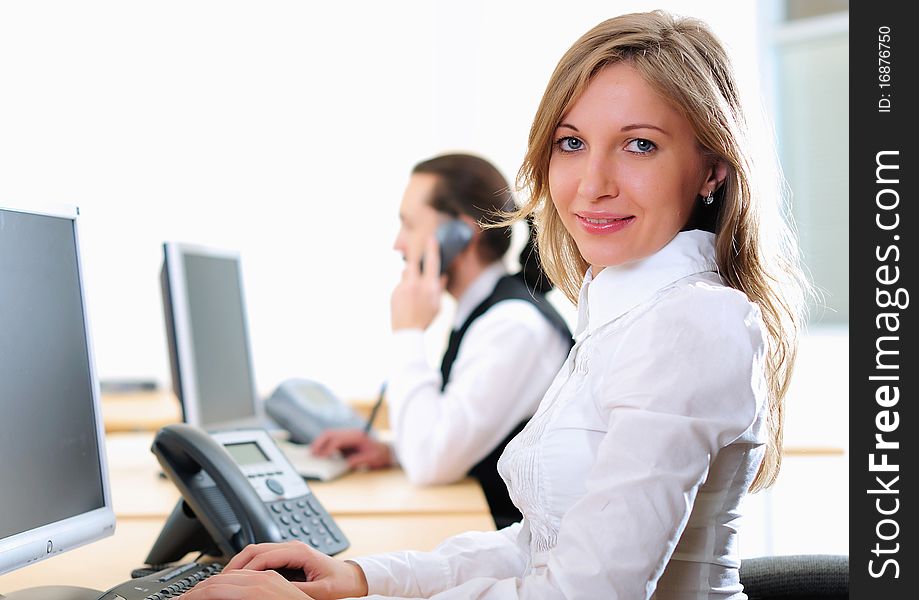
column 800, row 577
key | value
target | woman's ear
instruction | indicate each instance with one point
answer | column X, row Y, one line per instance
column 716, row 175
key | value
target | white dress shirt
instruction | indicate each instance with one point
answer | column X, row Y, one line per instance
column 631, row 472
column 506, row 361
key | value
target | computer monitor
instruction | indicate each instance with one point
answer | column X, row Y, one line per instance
column 208, row 337
column 54, row 486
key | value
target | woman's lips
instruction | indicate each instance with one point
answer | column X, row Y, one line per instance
column 604, row 223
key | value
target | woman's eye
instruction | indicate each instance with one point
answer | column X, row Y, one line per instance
column 641, row 146
column 569, row 144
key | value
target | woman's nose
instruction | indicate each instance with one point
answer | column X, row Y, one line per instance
column 598, row 179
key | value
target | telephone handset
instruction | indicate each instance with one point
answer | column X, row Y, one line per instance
column 452, row 238
column 237, row 488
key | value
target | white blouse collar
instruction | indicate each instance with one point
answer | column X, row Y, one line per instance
column 616, row 290
column 478, row 290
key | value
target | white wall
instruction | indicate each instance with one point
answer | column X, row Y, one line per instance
column 807, row 510
column 285, row 130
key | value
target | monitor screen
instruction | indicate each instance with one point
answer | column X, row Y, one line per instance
column 206, row 325
column 52, row 464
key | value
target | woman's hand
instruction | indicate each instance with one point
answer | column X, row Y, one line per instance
column 246, row 585
column 326, row 578
column 416, row 299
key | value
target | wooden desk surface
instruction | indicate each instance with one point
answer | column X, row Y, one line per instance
column 105, row 563
column 148, row 411
column 139, row 491
column 142, row 411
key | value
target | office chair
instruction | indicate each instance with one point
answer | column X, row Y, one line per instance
column 801, row 577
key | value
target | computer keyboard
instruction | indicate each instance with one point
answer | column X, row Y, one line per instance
column 168, row 583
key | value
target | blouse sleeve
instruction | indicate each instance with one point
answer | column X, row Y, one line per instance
column 684, row 380
column 501, row 554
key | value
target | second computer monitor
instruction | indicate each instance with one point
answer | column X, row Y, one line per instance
column 208, row 336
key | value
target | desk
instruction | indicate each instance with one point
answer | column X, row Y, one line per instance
column 138, row 491
column 813, row 451
column 148, row 411
column 140, row 411
column 379, row 511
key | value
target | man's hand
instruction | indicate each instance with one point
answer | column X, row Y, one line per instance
column 361, row 450
column 416, row 299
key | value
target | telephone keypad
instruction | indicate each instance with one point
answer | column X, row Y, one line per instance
column 305, row 520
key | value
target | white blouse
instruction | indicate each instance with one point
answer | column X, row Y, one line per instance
column 631, row 473
column 504, row 365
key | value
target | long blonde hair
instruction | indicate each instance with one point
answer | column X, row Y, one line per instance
column 756, row 251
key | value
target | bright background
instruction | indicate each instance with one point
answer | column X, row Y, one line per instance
column 286, row 130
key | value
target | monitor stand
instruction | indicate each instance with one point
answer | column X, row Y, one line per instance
column 54, row 592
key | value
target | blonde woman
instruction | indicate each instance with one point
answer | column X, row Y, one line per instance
column 668, row 409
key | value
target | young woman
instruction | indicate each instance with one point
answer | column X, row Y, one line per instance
column 669, row 408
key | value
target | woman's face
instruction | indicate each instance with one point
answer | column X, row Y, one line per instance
column 626, row 169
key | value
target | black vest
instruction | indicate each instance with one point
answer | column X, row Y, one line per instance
column 509, row 287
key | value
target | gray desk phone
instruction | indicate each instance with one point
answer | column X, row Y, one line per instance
column 306, row 408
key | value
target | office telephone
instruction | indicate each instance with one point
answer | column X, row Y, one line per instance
column 306, row 408
column 237, row 488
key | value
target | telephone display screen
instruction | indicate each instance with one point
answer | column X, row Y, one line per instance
column 245, row 454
